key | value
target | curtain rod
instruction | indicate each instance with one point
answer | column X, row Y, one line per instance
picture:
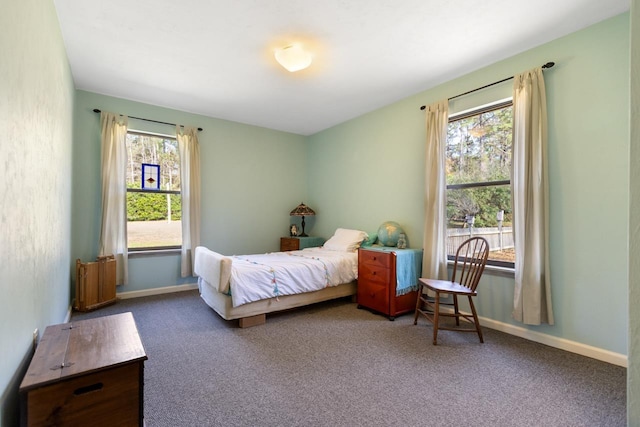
column 547, row 65
column 95, row 110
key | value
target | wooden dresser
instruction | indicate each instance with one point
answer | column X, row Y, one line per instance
column 299, row 243
column 89, row 372
column 377, row 280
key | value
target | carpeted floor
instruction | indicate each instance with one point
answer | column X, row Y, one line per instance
column 334, row 365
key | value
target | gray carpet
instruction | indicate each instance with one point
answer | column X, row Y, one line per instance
column 334, row 365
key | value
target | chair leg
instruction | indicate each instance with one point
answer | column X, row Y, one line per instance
column 418, row 301
column 456, row 310
column 436, row 313
column 475, row 319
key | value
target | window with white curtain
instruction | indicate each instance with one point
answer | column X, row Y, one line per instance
column 154, row 210
column 478, row 168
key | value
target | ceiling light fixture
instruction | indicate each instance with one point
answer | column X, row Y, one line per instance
column 293, row 57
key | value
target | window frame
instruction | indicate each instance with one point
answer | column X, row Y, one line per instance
column 510, row 266
column 153, row 249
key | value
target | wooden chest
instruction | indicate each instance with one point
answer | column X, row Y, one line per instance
column 95, row 283
column 89, row 372
column 377, row 284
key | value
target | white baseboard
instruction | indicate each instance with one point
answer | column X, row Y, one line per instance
column 157, row 291
column 561, row 343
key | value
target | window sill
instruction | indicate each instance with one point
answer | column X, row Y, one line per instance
column 153, row 252
column 494, row 270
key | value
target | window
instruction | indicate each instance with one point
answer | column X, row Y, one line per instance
column 478, row 165
column 153, row 192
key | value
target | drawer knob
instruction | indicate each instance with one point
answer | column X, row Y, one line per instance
column 374, row 273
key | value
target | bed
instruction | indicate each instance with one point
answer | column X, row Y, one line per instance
column 247, row 287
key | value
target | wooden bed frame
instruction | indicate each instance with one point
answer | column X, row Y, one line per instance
column 254, row 313
column 214, row 271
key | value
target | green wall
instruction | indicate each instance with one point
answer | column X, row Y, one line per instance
column 633, row 373
column 251, row 179
column 371, row 169
column 36, row 112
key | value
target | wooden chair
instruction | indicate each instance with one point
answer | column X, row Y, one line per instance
column 471, row 258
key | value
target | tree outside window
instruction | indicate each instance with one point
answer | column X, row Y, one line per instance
column 478, row 165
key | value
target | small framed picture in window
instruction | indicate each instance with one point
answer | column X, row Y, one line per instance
column 150, row 176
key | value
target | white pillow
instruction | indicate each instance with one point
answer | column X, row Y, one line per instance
column 345, row 240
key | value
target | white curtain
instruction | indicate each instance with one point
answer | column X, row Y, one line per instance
column 190, row 192
column 529, row 189
column 113, row 231
column 434, row 261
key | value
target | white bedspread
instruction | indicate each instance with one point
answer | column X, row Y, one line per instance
column 263, row 276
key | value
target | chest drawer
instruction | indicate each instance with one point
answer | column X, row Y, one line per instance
column 289, row 244
column 374, row 295
column 376, row 258
column 373, row 273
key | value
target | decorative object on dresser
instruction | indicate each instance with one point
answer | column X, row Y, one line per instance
column 402, row 241
column 299, row 243
column 389, row 233
column 95, row 283
column 388, row 279
column 471, row 258
column 302, row 210
column 89, row 372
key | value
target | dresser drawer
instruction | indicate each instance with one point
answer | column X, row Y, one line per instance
column 380, row 259
column 289, row 244
column 373, row 295
column 373, row 273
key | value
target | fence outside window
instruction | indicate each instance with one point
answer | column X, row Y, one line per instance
column 498, row 241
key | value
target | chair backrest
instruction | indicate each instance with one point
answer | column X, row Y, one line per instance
column 471, row 258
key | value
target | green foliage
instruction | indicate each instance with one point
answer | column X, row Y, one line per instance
column 483, row 203
column 152, row 207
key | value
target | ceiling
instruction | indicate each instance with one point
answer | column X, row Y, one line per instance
column 215, row 57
